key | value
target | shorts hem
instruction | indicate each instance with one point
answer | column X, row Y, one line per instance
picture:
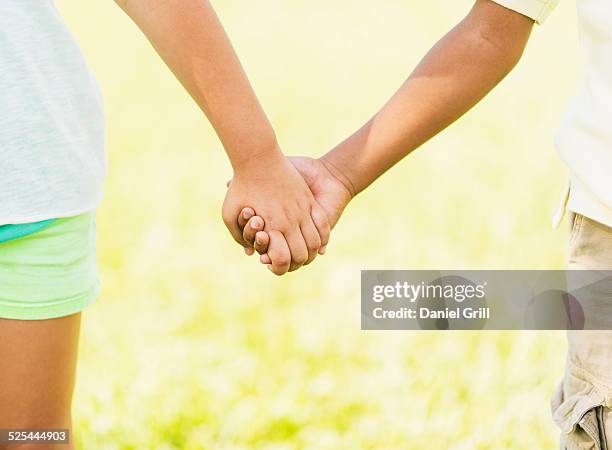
column 64, row 308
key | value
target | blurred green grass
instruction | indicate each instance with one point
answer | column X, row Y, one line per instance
column 194, row 346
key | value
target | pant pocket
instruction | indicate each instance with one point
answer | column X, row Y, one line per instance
column 578, row 408
column 589, row 432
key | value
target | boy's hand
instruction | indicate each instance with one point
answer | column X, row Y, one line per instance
column 329, row 189
column 297, row 225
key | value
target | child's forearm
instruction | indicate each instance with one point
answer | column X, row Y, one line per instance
column 458, row 72
column 190, row 38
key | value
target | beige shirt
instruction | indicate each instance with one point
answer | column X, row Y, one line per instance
column 584, row 139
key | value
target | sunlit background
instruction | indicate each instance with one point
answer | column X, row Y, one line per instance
column 192, row 345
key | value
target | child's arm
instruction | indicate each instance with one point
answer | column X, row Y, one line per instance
column 456, row 73
column 190, row 38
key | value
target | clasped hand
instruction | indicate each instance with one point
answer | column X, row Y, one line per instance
column 284, row 208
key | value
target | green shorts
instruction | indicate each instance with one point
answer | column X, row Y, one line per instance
column 50, row 273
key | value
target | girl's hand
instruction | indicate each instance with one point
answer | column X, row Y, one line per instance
column 328, row 189
column 297, row 225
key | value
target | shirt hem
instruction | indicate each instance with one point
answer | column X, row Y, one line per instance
column 582, row 201
column 40, row 217
column 538, row 10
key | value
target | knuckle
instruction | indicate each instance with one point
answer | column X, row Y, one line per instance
column 279, row 269
column 300, row 259
column 313, row 246
column 284, row 228
column 283, row 261
column 319, row 215
column 325, row 236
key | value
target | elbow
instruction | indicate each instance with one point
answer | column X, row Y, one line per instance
column 505, row 51
column 499, row 32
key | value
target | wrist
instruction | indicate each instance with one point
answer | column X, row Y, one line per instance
column 266, row 156
column 339, row 170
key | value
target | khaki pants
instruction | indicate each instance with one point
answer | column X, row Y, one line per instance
column 582, row 403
